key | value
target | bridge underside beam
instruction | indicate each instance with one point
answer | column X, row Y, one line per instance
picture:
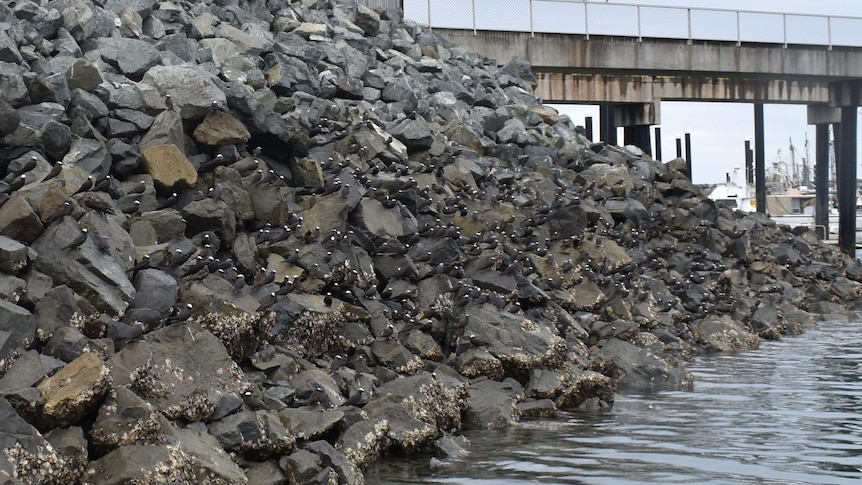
column 579, row 88
column 628, row 54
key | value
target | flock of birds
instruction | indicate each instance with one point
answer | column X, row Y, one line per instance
column 515, row 245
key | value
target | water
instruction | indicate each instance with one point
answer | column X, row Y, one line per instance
column 788, row 413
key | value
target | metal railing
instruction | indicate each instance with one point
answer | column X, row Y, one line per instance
column 635, row 20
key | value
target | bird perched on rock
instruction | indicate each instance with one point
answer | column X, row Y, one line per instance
column 62, row 212
column 87, row 185
column 267, row 302
column 254, row 400
column 387, row 332
column 16, row 184
column 478, row 342
column 55, row 170
column 169, row 102
column 182, row 314
column 354, row 398
column 29, row 165
column 337, row 362
column 97, row 204
column 138, row 189
column 78, row 240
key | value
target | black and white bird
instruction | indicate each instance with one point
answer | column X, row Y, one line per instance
column 181, row 314
column 78, row 240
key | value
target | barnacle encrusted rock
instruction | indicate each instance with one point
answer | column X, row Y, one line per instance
column 73, row 391
column 182, row 369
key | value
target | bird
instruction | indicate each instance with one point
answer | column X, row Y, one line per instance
column 267, row 302
column 254, row 400
column 169, row 102
column 169, row 202
column 131, row 208
column 78, row 240
column 103, row 243
column 337, row 362
column 354, row 398
column 144, row 263
column 387, row 332
column 87, row 185
column 55, row 170
column 138, row 189
column 478, row 342
column 62, row 212
column 29, row 165
column 97, row 204
column 16, row 184
column 182, row 314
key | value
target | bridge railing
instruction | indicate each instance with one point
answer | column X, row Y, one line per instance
column 634, row 20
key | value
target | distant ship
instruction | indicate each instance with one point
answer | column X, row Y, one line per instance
column 790, row 198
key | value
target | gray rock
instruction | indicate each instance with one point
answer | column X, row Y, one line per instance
column 28, row 369
column 126, row 419
column 179, row 357
column 156, row 290
column 84, row 75
column 28, row 455
column 89, row 155
column 372, row 216
column 490, row 405
column 722, row 334
column 13, row 255
column 301, row 466
column 252, row 433
column 9, row 118
column 131, row 57
column 91, row 272
column 191, row 88
column 641, row 369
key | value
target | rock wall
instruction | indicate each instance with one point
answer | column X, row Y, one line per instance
column 271, row 241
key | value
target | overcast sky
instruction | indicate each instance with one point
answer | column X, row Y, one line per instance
column 718, row 130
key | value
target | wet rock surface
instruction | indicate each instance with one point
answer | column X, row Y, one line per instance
column 269, row 241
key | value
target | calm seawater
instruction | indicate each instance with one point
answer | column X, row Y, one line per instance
column 788, row 413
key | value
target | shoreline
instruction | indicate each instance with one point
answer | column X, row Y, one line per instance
column 274, row 245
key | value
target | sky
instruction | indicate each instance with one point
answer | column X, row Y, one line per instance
column 718, row 130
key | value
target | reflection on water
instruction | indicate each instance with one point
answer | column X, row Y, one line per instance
column 789, row 413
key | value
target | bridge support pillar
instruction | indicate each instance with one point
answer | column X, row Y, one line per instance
column 607, row 124
column 636, row 119
column 822, row 116
column 759, row 159
column 847, row 95
column 847, row 185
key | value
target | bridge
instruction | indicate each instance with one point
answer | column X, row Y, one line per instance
column 628, row 57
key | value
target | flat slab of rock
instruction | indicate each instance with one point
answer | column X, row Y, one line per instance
column 220, row 128
column 170, row 169
column 74, row 391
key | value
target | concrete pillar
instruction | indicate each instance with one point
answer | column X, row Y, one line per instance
column 821, row 115
column 638, row 136
column 678, row 147
column 821, row 180
column 607, row 124
column 847, row 181
column 688, row 155
column 759, row 159
column 588, row 127
column 658, row 143
column 749, row 163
